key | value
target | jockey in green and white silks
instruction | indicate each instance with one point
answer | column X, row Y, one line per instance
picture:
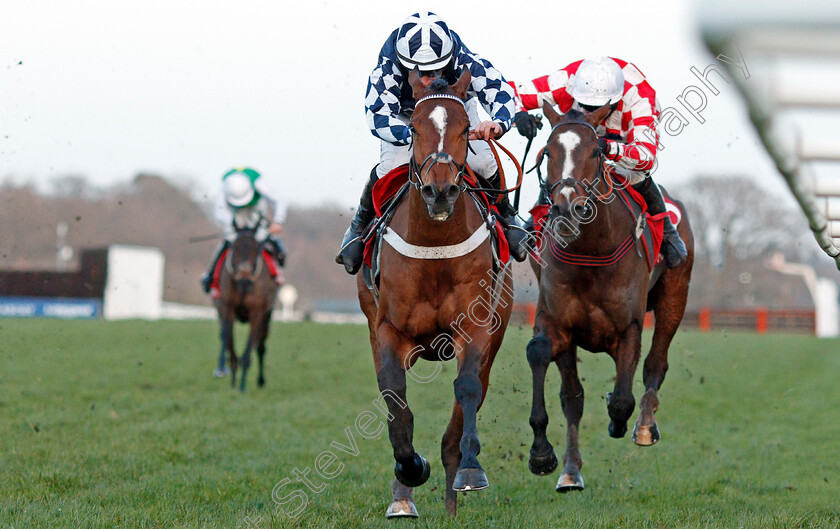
column 245, row 200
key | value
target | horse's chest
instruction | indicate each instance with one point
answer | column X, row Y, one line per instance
column 593, row 319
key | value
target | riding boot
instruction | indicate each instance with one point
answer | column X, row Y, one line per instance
column 352, row 251
column 278, row 250
column 207, row 278
column 673, row 247
column 517, row 237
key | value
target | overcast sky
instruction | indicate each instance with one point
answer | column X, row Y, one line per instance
column 188, row 89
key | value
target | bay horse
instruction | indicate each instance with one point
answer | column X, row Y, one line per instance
column 440, row 307
column 247, row 294
column 598, row 308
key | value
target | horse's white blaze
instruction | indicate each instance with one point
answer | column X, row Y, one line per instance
column 567, row 191
column 438, row 117
column 569, row 140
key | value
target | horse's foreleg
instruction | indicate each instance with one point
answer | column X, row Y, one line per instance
column 620, row 402
column 668, row 301
column 543, row 460
column 227, row 345
column 571, row 398
column 411, row 469
column 221, row 370
column 261, row 348
column 469, row 392
column 256, row 331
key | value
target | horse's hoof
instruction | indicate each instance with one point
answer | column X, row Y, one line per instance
column 220, row 373
column 543, row 465
column 261, row 382
column 401, row 508
column 470, row 479
column 425, row 470
column 617, row 431
column 646, row 435
column 569, row 482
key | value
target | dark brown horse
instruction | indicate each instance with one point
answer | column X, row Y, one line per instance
column 598, row 308
column 434, row 301
column 248, row 293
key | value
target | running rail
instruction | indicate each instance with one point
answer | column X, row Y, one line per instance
column 786, row 157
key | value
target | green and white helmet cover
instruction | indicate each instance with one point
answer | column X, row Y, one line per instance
column 239, row 188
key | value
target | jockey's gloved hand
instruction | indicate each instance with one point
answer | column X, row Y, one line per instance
column 526, row 124
column 604, row 145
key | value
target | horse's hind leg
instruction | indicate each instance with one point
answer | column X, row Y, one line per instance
column 571, row 398
column 402, row 506
column 542, row 460
column 668, row 299
column 450, row 455
column 620, row 402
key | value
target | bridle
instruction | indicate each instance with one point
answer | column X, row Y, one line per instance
column 248, row 233
column 589, row 189
column 415, row 169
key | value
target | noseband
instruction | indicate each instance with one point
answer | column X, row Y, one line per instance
column 415, row 170
column 257, row 265
column 589, row 189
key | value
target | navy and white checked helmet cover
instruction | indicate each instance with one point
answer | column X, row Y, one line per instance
column 424, row 41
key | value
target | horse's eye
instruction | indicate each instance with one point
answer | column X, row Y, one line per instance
column 466, row 130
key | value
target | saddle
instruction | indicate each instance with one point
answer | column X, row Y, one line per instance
column 646, row 238
column 388, row 192
column 273, row 269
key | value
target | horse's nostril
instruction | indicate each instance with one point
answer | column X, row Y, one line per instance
column 452, row 192
column 554, row 210
column 428, row 192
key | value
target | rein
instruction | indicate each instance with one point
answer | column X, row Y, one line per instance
column 590, row 190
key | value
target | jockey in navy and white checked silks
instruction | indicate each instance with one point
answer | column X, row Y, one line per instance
column 389, row 95
column 389, row 103
column 425, row 42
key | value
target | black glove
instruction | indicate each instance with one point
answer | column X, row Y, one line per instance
column 526, row 124
column 602, row 144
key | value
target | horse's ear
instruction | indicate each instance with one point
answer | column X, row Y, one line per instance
column 416, row 83
column 462, row 84
column 595, row 118
column 550, row 113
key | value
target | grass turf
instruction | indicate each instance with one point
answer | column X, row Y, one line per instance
column 121, row 425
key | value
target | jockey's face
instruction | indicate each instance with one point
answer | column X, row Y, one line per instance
column 592, row 108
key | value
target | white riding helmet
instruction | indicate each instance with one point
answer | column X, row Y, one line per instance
column 598, row 81
column 424, row 41
column 238, row 189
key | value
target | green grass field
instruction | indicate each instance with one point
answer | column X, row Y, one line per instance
column 121, row 425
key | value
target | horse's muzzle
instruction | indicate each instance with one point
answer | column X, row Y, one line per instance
column 440, row 200
column 564, row 223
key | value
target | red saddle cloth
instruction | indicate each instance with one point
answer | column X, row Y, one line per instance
column 270, row 263
column 651, row 237
column 389, row 185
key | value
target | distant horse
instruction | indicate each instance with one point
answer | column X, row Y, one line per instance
column 596, row 299
column 434, row 300
column 248, row 293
